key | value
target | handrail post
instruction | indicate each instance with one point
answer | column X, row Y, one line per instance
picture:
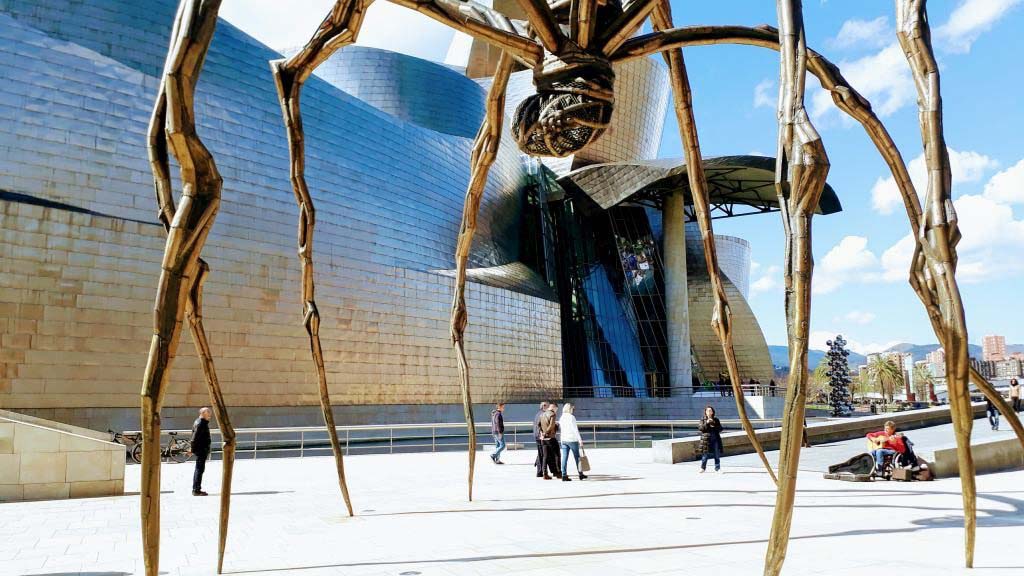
column 634, row 434
column 255, row 443
column 302, row 443
column 433, row 438
column 347, row 442
column 391, row 440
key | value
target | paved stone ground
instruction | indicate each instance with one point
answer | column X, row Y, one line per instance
column 631, row 517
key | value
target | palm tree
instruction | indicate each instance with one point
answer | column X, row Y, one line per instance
column 924, row 383
column 886, row 375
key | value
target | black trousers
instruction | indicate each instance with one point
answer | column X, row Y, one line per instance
column 1016, row 404
column 552, row 457
column 548, row 457
column 197, row 477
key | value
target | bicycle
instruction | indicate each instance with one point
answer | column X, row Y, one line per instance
column 177, row 450
column 130, row 442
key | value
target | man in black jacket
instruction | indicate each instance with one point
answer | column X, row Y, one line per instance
column 200, row 448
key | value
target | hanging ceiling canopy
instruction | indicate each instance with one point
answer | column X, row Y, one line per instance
column 737, row 185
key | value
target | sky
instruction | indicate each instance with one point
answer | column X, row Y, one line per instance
column 862, row 253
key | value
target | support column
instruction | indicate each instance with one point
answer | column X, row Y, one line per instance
column 677, row 309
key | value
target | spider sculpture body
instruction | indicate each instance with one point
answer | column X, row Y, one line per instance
column 571, row 46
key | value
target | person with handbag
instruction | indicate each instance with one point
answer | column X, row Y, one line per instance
column 710, row 439
column 571, row 441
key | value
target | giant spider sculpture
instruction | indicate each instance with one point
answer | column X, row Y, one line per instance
column 571, row 46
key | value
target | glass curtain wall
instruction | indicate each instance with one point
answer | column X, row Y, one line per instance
column 611, row 287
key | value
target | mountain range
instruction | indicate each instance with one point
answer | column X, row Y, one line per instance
column 780, row 354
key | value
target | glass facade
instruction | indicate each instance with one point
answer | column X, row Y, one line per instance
column 611, row 288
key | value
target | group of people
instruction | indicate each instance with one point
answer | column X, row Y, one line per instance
column 553, row 434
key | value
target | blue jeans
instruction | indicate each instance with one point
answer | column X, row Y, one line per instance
column 499, row 445
column 714, row 449
column 566, row 447
column 880, row 455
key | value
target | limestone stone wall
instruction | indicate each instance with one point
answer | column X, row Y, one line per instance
column 42, row 460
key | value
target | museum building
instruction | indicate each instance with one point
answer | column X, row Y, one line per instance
column 586, row 281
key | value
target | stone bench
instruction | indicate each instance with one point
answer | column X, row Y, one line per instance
column 993, row 455
column 678, row 450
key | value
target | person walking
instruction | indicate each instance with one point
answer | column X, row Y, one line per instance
column 549, row 439
column 571, row 441
column 200, row 448
column 1015, row 394
column 539, row 438
column 710, row 439
column 498, row 432
column 993, row 414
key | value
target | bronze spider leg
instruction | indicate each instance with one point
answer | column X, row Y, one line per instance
column 721, row 319
column 338, row 29
column 800, row 171
column 187, row 229
column 483, row 23
column 936, row 267
column 485, row 149
column 194, row 312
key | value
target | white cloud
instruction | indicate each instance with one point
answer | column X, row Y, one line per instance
column 859, row 317
column 992, row 239
column 1007, row 186
column 818, row 340
column 968, row 166
column 970, row 20
column 863, row 34
column 896, row 260
column 282, row 25
column 769, row 281
column 847, row 261
column 883, row 78
column 765, row 94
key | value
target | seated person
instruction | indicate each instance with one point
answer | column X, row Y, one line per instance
column 886, row 443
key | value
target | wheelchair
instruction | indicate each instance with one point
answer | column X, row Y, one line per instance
column 892, row 462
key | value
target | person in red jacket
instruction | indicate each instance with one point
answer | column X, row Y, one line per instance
column 889, row 442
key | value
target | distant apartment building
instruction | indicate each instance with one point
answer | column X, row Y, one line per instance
column 937, row 363
column 993, row 347
column 987, row 368
column 1009, row 368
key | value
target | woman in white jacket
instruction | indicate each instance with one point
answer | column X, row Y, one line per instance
column 571, row 440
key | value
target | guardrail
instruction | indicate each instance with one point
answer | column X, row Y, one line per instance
column 252, row 443
column 706, row 390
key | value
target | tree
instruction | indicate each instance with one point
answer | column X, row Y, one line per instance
column 924, row 383
column 817, row 389
column 838, row 374
column 886, row 375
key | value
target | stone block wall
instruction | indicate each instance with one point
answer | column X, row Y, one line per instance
column 40, row 461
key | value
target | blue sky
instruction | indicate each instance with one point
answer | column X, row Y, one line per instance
column 861, row 253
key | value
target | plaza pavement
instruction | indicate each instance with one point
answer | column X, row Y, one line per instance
column 632, row 517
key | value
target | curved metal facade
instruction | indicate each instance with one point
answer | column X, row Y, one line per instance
column 81, row 248
column 424, row 93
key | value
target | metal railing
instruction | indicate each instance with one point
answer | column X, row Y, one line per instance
column 253, row 443
column 707, row 390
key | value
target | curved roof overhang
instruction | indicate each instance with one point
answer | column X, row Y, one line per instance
column 737, row 185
